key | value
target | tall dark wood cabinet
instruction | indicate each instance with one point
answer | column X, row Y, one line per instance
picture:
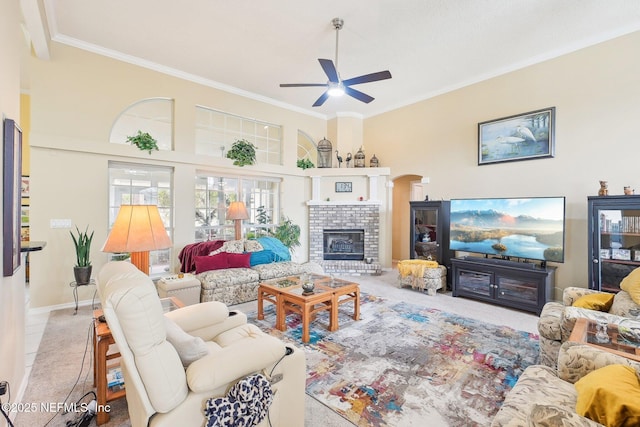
column 430, row 232
column 614, row 240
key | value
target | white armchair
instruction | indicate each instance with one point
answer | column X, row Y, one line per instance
column 160, row 390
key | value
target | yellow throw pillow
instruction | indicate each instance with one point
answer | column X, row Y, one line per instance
column 610, row 396
column 600, row 302
column 631, row 285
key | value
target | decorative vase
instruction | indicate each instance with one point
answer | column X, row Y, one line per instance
column 308, row 287
column 82, row 275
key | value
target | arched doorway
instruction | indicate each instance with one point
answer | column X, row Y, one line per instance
column 406, row 188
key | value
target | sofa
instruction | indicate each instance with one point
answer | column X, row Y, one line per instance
column 544, row 396
column 180, row 368
column 557, row 319
column 231, row 271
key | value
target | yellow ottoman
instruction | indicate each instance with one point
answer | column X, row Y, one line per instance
column 422, row 274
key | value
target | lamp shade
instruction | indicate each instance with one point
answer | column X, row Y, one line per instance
column 137, row 228
column 237, row 210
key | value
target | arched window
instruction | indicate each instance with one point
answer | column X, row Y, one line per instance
column 153, row 115
column 307, row 149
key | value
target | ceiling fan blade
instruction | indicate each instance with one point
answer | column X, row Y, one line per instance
column 358, row 95
column 373, row 77
column 301, row 84
column 329, row 70
column 321, row 100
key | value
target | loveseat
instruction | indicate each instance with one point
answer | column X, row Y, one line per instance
column 231, row 271
column 544, row 396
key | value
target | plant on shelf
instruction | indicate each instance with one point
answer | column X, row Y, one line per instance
column 143, row 141
column 287, row 232
column 242, row 152
column 305, row 164
column 82, row 243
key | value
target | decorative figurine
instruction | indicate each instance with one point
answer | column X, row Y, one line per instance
column 339, row 157
column 628, row 191
column 374, row 162
column 604, row 190
column 348, row 159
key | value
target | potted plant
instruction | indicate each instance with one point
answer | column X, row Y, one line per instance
column 82, row 269
column 305, row 164
column 242, row 152
column 288, row 233
column 143, row 141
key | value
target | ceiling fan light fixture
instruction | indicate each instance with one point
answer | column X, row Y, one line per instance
column 335, row 89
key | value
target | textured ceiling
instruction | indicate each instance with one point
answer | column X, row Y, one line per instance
column 250, row 47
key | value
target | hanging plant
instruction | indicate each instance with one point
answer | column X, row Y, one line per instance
column 242, row 152
column 305, row 164
column 143, row 141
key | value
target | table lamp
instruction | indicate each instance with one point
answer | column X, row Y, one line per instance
column 237, row 211
column 138, row 229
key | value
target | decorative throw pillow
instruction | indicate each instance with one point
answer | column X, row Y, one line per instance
column 262, row 257
column 231, row 246
column 252, row 246
column 239, row 260
column 610, row 396
column 600, row 302
column 211, row 262
column 631, row 285
column 189, row 348
column 555, row 416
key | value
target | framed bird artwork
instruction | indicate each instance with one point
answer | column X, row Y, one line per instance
column 521, row 137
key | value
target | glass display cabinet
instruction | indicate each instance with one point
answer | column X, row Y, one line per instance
column 430, row 232
column 614, row 240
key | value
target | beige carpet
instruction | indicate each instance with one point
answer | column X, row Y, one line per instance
column 59, row 366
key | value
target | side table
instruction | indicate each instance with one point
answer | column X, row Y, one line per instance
column 584, row 331
column 102, row 341
column 75, row 285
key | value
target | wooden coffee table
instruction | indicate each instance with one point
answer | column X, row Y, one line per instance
column 585, row 329
column 287, row 295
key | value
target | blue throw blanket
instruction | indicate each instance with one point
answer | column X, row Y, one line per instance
column 277, row 247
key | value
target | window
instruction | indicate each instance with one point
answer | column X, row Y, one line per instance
column 214, row 194
column 137, row 184
column 307, row 149
column 154, row 116
column 217, row 131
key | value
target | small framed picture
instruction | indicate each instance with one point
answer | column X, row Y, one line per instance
column 344, row 187
column 636, row 255
column 621, row 254
column 605, row 254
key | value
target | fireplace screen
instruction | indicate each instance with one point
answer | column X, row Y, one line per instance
column 343, row 244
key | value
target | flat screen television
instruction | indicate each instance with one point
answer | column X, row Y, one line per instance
column 524, row 228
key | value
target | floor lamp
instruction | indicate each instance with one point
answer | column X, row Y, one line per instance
column 237, row 211
column 138, row 229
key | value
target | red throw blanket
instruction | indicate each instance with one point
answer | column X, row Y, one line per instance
column 188, row 254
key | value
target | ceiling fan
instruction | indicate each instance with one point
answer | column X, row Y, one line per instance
column 337, row 87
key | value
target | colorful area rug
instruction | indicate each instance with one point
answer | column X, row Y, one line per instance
column 406, row 365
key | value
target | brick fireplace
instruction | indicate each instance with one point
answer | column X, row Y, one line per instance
column 331, row 219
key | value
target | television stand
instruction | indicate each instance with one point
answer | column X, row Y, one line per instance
column 522, row 285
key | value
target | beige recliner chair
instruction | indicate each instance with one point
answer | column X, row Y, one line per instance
column 160, row 390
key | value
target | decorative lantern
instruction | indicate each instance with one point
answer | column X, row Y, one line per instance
column 325, row 150
column 358, row 159
column 373, row 163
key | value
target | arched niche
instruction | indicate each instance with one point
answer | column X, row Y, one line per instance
column 151, row 115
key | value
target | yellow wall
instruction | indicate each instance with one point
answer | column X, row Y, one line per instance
column 12, row 288
column 75, row 97
column 596, row 93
